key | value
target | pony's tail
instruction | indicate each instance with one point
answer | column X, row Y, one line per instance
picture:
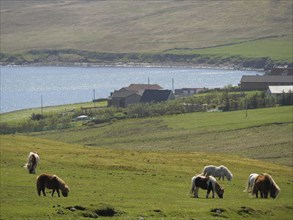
column 192, row 186
column 26, row 166
column 253, row 190
column 38, row 184
column 247, row 187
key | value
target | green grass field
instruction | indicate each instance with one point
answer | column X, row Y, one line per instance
column 254, row 137
column 142, row 168
column 17, row 116
column 133, row 183
column 276, row 48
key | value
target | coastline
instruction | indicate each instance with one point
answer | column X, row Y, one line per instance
column 136, row 65
column 83, row 58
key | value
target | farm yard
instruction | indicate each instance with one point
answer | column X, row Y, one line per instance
column 142, row 168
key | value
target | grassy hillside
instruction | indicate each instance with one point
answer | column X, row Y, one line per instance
column 266, row 134
column 275, row 48
column 21, row 115
column 147, row 27
column 134, row 184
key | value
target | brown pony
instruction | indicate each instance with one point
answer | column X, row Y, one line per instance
column 51, row 182
column 264, row 183
column 206, row 182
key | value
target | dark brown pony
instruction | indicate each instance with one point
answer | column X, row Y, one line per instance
column 265, row 184
column 51, row 182
column 206, row 182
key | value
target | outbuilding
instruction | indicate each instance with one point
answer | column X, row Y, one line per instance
column 259, row 82
column 276, row 90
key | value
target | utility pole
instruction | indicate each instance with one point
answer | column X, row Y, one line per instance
column 246, row 106
column 41, row 104
column 94, row 97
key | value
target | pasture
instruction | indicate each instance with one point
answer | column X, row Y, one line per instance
column 275, row 48
column 132, row 184
column 142, row 168
column 19, row 115
column 265, row 134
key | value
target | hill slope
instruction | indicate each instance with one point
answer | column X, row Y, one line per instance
column 266, row 134
column 140, row 26
column 134, row 184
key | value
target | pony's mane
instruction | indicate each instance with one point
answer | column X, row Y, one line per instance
column 62, row 184
column 218, row 188
column 272, row 181
column 215, row 184
column 213, row 180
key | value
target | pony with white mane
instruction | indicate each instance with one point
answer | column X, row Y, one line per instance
column 220, row 171
column 265, row 184
column 250, row 182
column 33, row 160
column 206, row 182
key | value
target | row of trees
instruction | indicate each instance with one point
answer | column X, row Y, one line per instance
column 227, row 99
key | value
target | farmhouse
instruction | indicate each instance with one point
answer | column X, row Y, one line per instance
column 154, row 96
column 263, row 82
column 136, row 93
column 122, row 98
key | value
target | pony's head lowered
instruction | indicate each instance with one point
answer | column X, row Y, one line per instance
column 226, row 172
column 274, row 189
column 63, row 187
column 219, row 189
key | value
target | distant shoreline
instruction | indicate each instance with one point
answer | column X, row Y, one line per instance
column 135, row 65
column 70, row 57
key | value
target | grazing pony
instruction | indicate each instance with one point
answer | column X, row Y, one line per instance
column 250, row 182
column 206, row 182
column 220, row 171
column 265, row 184
column 33, row 159
column 51, row 182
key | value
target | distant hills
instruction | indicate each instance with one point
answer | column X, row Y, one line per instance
column 192, row 32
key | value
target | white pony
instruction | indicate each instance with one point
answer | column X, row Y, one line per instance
column 250, row 182
column 220, row 171
column 33, row 159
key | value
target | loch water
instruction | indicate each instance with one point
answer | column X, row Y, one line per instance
column 25, row 87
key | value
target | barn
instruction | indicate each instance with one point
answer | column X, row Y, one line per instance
column 263, row 82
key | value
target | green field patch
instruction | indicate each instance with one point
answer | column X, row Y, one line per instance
column 275, row 48
column 256, row 136
column 132, row 183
